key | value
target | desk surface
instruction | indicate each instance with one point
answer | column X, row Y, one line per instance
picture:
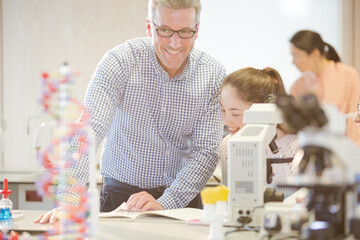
column 149, row 228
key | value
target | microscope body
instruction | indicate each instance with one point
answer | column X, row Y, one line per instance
column 247, row 164
column 333, row 195
column 331, row 140
column 333, row 182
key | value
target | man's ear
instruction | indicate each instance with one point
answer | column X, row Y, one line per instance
column 197, row 30
column 148, row 28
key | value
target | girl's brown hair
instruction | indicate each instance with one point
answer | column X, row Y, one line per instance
column 254, row 85
column 257, row 85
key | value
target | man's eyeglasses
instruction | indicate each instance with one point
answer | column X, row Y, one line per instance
column 359, row 108
column 165, row 32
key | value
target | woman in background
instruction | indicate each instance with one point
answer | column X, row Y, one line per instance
column 239, row 91
column 324, row 75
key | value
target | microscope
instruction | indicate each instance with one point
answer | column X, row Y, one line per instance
column 329, row 168
column 249, row 171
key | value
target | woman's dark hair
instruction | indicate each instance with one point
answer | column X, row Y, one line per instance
column 307, row 41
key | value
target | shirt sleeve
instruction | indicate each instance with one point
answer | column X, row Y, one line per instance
column 204, row 154
column 102, row 95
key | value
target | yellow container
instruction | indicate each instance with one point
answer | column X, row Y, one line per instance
column 211, row 195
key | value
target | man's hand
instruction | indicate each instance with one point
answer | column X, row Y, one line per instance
column 143, row 201
column 51, row 216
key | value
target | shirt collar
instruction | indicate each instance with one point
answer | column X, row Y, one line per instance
column 160, row 71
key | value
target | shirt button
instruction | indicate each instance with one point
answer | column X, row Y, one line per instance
column 163, row 109
column 167, row 153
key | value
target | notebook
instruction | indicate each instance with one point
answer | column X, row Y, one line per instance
column 184, row 214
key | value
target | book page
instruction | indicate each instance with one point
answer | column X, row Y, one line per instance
column 184, row 214
column 120, row 212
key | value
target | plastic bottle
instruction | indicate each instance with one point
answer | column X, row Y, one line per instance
column 208, row 196
column 221, row 202
column 5, row 207
column 215, row 207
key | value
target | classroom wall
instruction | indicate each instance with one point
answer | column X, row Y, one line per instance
column 38, row 35
column 256, row 33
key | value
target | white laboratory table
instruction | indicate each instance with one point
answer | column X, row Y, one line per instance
column 125, row 229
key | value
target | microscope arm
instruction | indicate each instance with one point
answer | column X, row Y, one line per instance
column 269, row 171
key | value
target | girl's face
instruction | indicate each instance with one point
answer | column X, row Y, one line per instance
column 232, row 108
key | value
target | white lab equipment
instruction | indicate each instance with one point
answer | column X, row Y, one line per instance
column 284, row 219
column 247, row 165
column 333, row 197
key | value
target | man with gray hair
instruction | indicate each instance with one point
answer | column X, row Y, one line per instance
column 156, row 102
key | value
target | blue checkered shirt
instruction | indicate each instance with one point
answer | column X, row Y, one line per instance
column 158, row 131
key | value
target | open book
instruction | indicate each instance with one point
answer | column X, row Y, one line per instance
column 184, row 214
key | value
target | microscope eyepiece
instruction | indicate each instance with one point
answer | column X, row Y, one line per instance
column 301, row 112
